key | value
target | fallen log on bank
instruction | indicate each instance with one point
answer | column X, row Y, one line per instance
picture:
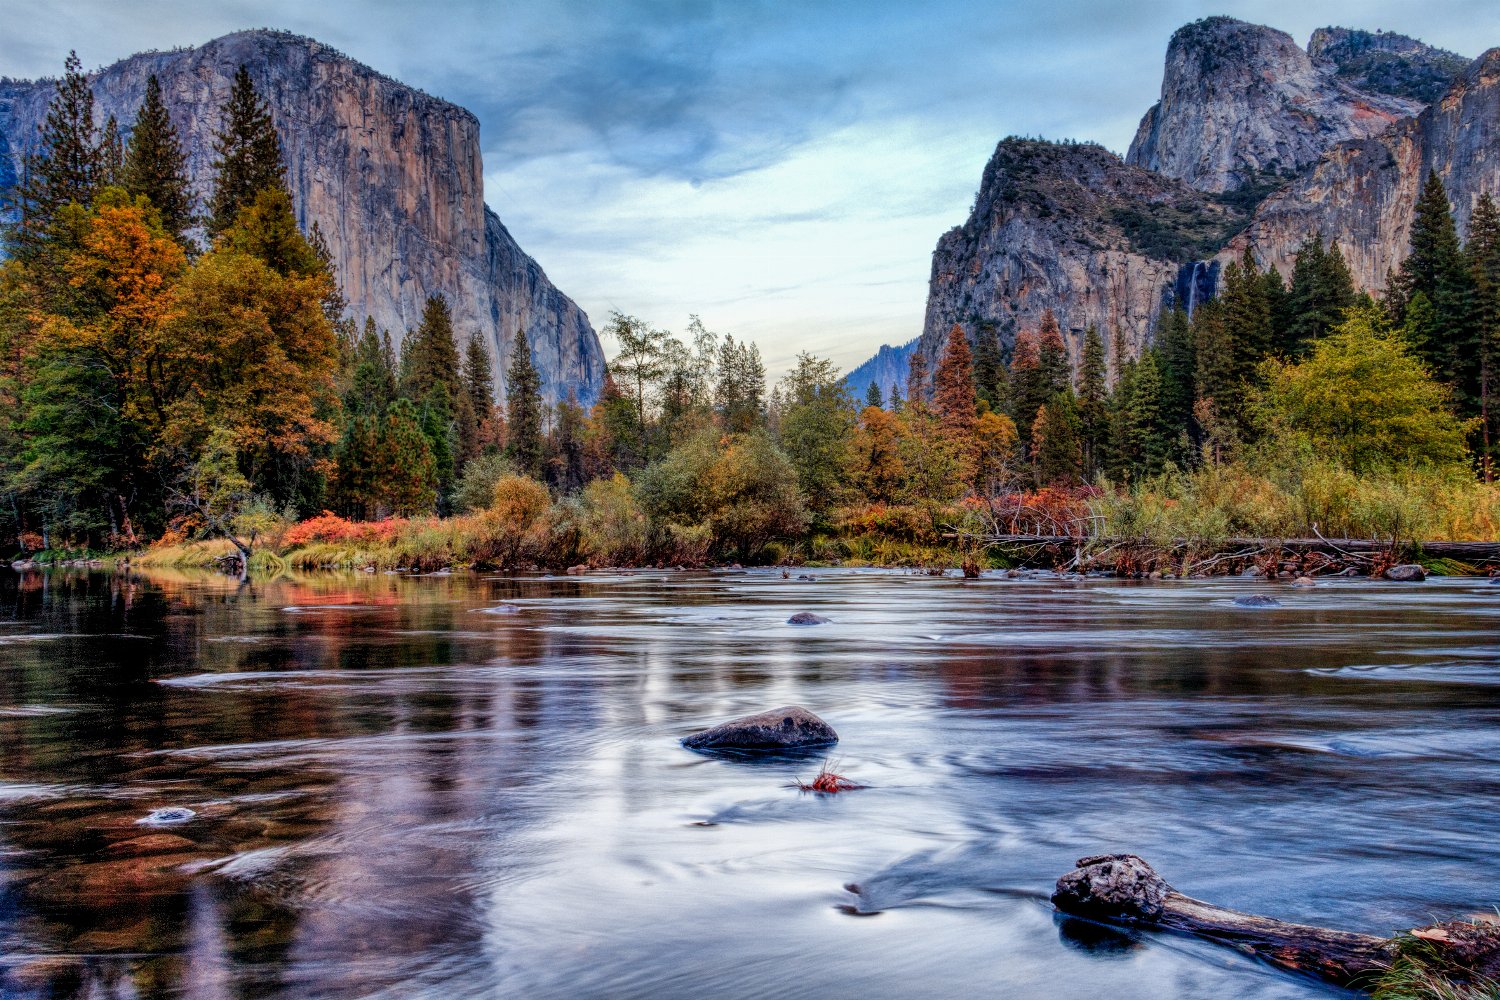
column 1124, row 889
column 1463, row 551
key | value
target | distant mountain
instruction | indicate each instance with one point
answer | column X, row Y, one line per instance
column 886, row 369
column 1254, row 142
column 392, row 176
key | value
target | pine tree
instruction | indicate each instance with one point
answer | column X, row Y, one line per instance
column 918, row 392
column 1321, row 290
column 523, row 406
column 64, row 169
column 872, row 395
column 1093, row 408
column 372, row 387
column 479, row 395
column 1056, row 449
column 1175, row 358
column 953, row 388
column 739, row 390
column 111, row 156
column 1056, row 373
column 1028, row 390
column 989, row 368
column 155, row 165
column 1483, row 253
column 1150, row 428
column 248, row 154
column 430, row 355
column 1436, row 269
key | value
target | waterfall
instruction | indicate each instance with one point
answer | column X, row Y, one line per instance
column 1196, row 284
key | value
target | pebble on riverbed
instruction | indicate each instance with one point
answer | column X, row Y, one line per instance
column 170, row 816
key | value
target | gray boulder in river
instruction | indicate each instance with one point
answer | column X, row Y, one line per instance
column 787, row 728
column 1406, row 573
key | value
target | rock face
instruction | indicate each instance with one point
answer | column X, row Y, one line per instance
column 787, row 728
column 392, row 176
column 1071, row 228
column 1383, row 62
column 1242, row 105
column 1362, row 193
column 887, row 369
column 1243, row 111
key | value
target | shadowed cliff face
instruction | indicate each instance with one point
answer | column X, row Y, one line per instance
column 1363, row 193
column 1241, row 104
column 392, row 176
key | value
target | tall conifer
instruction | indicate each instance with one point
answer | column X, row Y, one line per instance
column 155, row 164
column 523, row 408
column 248, row 154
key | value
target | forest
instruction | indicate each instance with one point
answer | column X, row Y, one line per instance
column 189, row 378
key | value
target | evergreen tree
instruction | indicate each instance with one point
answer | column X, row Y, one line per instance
column 989, row 369
column 1322, row 289
column 430, row 355
column 111, row 156
column 1436, row 269
column 405, row 471
column 1028, row 389
column 155, row 165
column 248, row 154
column 1177, row 362
column 372, row 386
column 1150, row 428
column 439, row 422
column 953, row 397
column 65, row 167
column 1056, row 449
column 918, row 392
column 523, row 406
column 872, row 395
column 1093, row 406
column 739, row 391
column 478, row 381
column 1483, row 253
column 1054, row 370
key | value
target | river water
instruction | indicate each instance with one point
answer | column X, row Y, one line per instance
column 470, row 786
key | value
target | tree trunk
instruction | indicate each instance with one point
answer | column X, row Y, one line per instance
column 1122, row 888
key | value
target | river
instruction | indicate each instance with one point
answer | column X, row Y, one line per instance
column 459, row 786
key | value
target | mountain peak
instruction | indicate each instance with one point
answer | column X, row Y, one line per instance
column 1244, row 107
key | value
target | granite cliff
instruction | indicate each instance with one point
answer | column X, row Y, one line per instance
column 1251, row 131
column 1362, row 193
column 1242, row 106
column 392, row 176
column 1072, row 228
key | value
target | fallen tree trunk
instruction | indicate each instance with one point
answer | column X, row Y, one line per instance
column 1465, row 551
column 1122, row 888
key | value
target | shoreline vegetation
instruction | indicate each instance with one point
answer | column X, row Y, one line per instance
column 192, row 388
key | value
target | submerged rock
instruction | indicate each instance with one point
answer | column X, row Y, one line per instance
column 1303, row 581
column 784, row 728
column 1406, row 573
column 1256, row 601
column 806, row 618
column 170, row 816
column 807, row 577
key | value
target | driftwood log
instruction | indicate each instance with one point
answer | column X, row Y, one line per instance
column 1464, row 551
column 1124, row 889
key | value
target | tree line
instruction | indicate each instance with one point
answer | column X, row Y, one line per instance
column 167, row 371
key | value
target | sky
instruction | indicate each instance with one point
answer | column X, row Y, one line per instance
column 782, row 169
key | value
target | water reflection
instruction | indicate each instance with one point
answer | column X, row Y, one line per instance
column 463, row 786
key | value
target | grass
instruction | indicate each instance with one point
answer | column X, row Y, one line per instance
column 1422, row 972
